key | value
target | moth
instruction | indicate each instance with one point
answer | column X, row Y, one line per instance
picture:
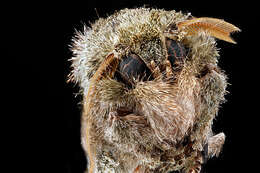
column 151, row 88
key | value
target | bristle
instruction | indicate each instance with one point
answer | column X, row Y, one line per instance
column 215, row 27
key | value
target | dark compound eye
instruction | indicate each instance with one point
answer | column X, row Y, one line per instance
column 132, row 67
column 176, row 53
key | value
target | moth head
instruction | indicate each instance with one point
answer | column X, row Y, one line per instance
column 147, row 83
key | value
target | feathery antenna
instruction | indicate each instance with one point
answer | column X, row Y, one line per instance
column 215, row 27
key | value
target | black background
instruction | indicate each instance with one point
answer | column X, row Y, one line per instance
column 47, row 110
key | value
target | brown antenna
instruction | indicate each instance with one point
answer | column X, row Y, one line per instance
column 215, row 27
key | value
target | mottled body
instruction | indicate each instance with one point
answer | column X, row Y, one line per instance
column 151, row 92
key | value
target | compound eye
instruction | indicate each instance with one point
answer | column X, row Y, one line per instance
column 132, row 67
column 176, row 53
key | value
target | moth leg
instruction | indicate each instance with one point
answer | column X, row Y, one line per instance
column 168, row 69
column 154, row 69
column 106, row 69
column 215, row 144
